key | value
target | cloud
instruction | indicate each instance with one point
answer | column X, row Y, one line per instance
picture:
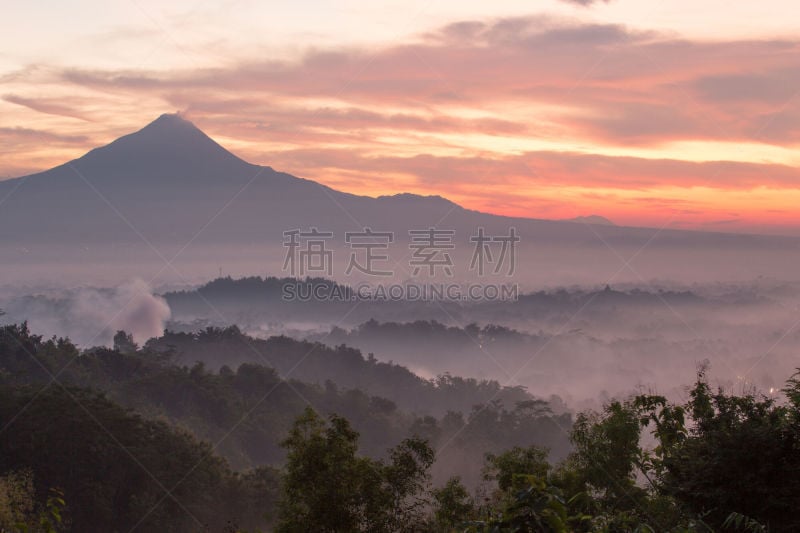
column 132, row 307
column 521, row 101
column 546, row 168
column 50, row 106
column 603, row 83
column 12, row 136
column 772, row 87
column 91, row 316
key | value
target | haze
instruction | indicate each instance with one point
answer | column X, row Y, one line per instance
column 399, row 266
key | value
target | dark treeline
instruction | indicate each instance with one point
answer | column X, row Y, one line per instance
column 429, row 344
column 617, row 339
column 243, row 414
column 720, row 462
column 255, row 296
column 432, row 334
column 254, row 300
column 314, row 362
column 126, row 439
column 118, row 471
column 270, row 290
column 211, row 403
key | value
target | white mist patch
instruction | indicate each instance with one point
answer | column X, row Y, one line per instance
column 131, row 307
column 90, row 316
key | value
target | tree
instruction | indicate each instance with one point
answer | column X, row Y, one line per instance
column 115, row 467
column 739, row 459
column 525, row 499
column 453, row 506
column 328, row 487
column 607, row 452
column 503, row 468
column 123, row 342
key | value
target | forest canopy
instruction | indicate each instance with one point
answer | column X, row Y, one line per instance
column 130, row 439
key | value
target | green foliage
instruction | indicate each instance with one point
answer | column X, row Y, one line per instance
column 730, row 465
column 21, row 513
column 206, row 403
column 740, row 522
column 607, row 452
column 506, row 467
column 17, row 498
column 328, row 487
column 535, row 506
column 719, row 461
column 117, row 469
column 155, row 383
column 738, row 455
column 453, row 506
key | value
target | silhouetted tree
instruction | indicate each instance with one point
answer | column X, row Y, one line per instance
column 123, row 342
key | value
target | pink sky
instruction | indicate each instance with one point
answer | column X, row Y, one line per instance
column 545, row 109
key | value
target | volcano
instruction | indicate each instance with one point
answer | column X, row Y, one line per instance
column 169, row 184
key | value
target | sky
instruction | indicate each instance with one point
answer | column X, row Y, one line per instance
column 648, row 112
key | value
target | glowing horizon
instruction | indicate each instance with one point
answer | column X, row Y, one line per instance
column 624, row 109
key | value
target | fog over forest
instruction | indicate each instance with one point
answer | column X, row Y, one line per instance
column 192, row 341
column 581, row 344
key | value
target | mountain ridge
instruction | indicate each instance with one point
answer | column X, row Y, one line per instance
column 171, row 139
column 168, row 185
column 170, row 178
column 598, row 220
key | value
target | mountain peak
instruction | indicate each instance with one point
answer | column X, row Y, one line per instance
column 172, row 121
column 172, row 129
column 170, row 146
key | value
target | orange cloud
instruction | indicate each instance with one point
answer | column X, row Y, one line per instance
column 520, row 116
